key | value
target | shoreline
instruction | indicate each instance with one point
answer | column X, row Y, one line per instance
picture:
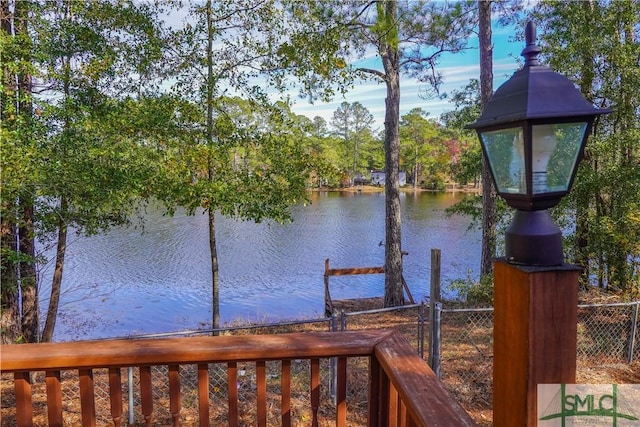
column 406, row 189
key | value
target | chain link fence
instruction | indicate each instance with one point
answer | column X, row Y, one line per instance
column 608, row 334
column 466, row 354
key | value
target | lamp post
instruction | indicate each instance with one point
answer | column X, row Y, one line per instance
column 533, row 132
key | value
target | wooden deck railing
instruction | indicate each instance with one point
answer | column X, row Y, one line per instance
column 402, row 390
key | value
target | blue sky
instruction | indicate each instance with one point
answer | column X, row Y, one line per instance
column 457, row 70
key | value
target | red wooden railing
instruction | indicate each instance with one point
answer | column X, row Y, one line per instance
column 403, row 391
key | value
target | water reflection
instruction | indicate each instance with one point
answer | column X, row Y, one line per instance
column 127, row 282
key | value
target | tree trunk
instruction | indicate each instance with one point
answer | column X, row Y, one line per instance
column 215, row 280
column 355, row 155
column 9, row 296
column 26, row 233
column 488, row 189
column 582, row 201
column 627, row 112
column 393, row 293
column 415, row 170
column 61, row 247
column 30, row 309
column 56, row 282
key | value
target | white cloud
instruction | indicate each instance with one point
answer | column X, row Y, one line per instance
column 456, row 70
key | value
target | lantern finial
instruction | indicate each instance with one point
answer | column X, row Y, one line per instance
column 531, row 51
column 533, row 131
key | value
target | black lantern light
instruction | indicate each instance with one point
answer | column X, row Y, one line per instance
column 533, row 132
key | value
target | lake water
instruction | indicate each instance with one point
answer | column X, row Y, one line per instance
column 129, row 282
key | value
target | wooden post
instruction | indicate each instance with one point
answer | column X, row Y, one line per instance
column 328, row 304
column 534, row 337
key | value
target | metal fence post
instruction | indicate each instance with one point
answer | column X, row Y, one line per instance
column 421, row 330
column 333, row 325
column 434, row 351
column 634, row 330
column 333, row 371
column 130, row 374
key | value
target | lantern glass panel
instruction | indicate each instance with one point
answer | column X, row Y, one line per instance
column 554, row 151
column 505, row 152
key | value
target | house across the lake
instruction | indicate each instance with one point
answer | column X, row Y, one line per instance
column 378, row 177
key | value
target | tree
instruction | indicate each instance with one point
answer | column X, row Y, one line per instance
column 423, row 149
column 341, row 122
column 468, row 167
column 17, row 253
column 489, row 193
column 261, row 167
column 352, row 123
column 408, row 37
column 372, row 151
column 319, row 127
column 595, row 44
column 472, row 99
column 468, row 108
column 238, row 155
column 81, row 175
column 322, row 149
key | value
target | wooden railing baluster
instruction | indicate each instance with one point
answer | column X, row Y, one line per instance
column 203, row 394
column 24, row 403
column 315, row 391
column 54, row 398
column 261, row 390
column 393, row 407
column 175, row 400
column 384, row 400
column 374, row 392
column 115, row 395
column 146, row 394
column 341, row 393
column 232, row 393
column 285, row 386
column 402, row 415
column 87, row 398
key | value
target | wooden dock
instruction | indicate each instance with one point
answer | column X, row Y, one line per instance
column 331, row 306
